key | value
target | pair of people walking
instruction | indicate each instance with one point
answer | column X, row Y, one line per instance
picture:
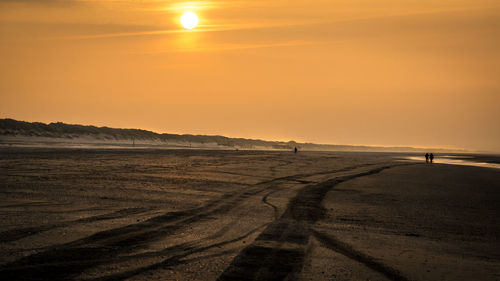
column 429, row 158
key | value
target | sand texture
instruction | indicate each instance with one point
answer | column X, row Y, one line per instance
column 95, row 214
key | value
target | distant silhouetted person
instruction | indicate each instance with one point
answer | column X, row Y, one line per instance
column 427, row 158
column 431, row 157
column 295, row 150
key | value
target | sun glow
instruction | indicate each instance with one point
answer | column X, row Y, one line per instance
column 189, row 20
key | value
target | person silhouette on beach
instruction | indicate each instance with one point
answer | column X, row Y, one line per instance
column 295, row 150
column 427, row 158
column 431, row 157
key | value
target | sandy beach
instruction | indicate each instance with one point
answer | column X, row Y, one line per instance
column 249, row 140
column 79, row 214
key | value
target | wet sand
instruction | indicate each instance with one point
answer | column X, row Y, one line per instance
column 419, row 222
column 243, row 215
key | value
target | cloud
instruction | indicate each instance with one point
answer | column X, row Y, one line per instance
column 42, row 2
column 228, row 47
column 199, row 29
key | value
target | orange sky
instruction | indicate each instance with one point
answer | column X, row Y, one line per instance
column 386, row 72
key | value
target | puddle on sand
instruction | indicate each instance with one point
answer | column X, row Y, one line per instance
column 453, row 160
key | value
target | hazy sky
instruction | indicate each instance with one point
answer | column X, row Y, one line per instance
column 385, row 72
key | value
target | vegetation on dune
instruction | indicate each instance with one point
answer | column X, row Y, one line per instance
column 59, row 130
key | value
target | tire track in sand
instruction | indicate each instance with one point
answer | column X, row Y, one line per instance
column 279, row 252
column 345, row 249
column 20, row 233
column 65, row 261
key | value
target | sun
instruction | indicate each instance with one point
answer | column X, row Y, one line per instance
column 189, row 20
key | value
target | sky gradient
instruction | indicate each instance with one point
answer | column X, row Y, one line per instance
column 387, row 72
